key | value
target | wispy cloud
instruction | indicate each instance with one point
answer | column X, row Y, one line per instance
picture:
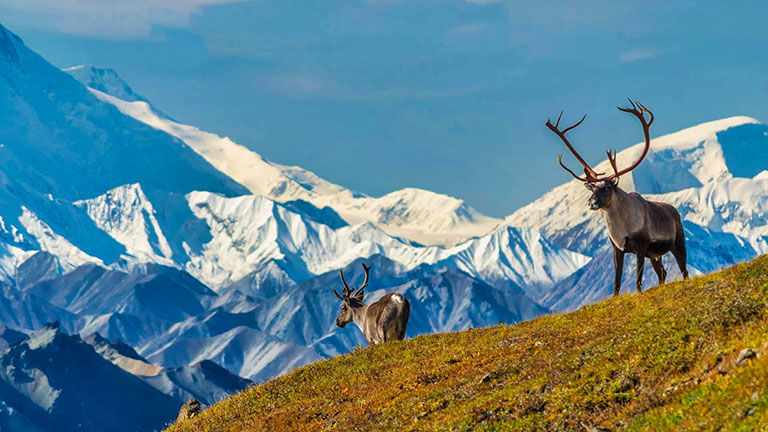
column 469, row 28
column 639, row 54
column 106, row 18
column 297, row 85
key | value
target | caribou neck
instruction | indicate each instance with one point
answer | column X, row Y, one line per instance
column 358, row 316
column 622, row 201
column 623, row 218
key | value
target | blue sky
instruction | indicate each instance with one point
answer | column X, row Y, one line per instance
column 445, row 95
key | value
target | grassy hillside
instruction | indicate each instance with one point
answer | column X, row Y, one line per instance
column 661, row 360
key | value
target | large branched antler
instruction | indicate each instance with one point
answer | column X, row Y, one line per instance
column 590, row 176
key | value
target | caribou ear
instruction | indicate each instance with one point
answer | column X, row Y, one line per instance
column 591, row 186
column 614, row 181
column 360, row 294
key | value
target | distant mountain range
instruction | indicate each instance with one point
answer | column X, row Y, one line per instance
column 54, row 381
column 175, row 261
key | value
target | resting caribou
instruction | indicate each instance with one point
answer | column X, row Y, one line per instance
column 645, row 228
column 381, row 321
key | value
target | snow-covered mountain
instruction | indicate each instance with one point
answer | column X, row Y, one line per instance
column 416, row 214
column 58, row 144
column 188, row 251
column 222, row 240
column 101, row 217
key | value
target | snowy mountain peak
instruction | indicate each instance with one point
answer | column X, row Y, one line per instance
column 435, row 199
column 7, row 48
column 691, row 136
column 127, row 215
column 105, row 80
column 695, row 156
column 414, row 206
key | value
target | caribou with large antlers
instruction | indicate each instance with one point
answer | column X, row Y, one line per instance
column 645, row 228
column 381, row 321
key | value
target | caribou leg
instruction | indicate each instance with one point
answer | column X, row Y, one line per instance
column 659, row 269
column 680, row 255
column 618, row 264
column 639, row 277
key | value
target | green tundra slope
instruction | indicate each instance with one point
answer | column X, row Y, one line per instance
column 665, row 359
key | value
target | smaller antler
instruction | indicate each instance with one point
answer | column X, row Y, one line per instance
column 612, row 159
column 367, row 270
column 347, row 290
